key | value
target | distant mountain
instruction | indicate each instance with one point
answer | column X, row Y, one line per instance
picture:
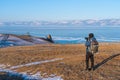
column 89, row 22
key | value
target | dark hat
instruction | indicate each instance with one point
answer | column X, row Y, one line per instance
column 91, row 35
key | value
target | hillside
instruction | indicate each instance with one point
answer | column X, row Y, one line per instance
column 21, row 40
column 66, row 61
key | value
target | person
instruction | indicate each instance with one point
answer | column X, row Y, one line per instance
column 94, row 43
column 88, row 53
column 90, row 42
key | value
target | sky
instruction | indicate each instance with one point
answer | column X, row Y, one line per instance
column 52, row 10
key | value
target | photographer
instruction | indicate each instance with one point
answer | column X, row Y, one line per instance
column 91, row 48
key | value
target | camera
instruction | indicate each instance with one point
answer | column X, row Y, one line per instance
column 86, row 38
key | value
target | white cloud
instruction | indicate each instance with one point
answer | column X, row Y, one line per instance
column 91, row 21
column 66, row 22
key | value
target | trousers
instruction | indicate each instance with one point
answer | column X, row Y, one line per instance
column 89, row 56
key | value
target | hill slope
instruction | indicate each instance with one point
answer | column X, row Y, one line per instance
column 72, row 65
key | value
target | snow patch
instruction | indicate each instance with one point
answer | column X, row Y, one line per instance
column 2, row 66
column 35, row 63
column 25, row 76
column 38, row 41
column 53, row 78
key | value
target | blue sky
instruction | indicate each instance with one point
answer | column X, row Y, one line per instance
column 51, row 10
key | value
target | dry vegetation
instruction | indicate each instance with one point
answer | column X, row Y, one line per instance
column 72, row 67
column 28, row 37
column 24, row 37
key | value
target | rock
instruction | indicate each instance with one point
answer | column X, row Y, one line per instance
column 49, row 38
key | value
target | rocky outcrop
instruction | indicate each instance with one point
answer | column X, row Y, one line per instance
column 49, row 38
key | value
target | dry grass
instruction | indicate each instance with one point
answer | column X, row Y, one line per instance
column 24, row 37
column 72, row 67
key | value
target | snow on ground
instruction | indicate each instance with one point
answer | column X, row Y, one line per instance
column 29, row 77
column 12, row 40
column 35, row 63
column 54, row 78
column 15, row 41
column 18, row 41
column 2, row 66
column 25, row 76
column 38, row 41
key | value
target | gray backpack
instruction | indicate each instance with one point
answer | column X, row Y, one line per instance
column 94, row 47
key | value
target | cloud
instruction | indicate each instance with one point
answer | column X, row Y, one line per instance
column 67, row 22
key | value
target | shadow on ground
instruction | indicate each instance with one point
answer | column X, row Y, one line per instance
column 105, row 60
column 7, row 76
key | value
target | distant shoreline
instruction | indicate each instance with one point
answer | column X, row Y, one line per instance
column 27, row 40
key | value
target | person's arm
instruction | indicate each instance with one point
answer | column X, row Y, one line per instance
column 87, row 43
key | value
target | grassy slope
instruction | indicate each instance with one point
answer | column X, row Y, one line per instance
column 29, row 38
column 72, row 67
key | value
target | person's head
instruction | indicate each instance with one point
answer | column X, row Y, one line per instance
column 91, row 35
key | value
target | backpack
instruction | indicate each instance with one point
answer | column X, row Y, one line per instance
column 94, row 46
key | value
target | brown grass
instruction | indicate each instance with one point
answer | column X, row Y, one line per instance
column 72, row 67
column 24, row 37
